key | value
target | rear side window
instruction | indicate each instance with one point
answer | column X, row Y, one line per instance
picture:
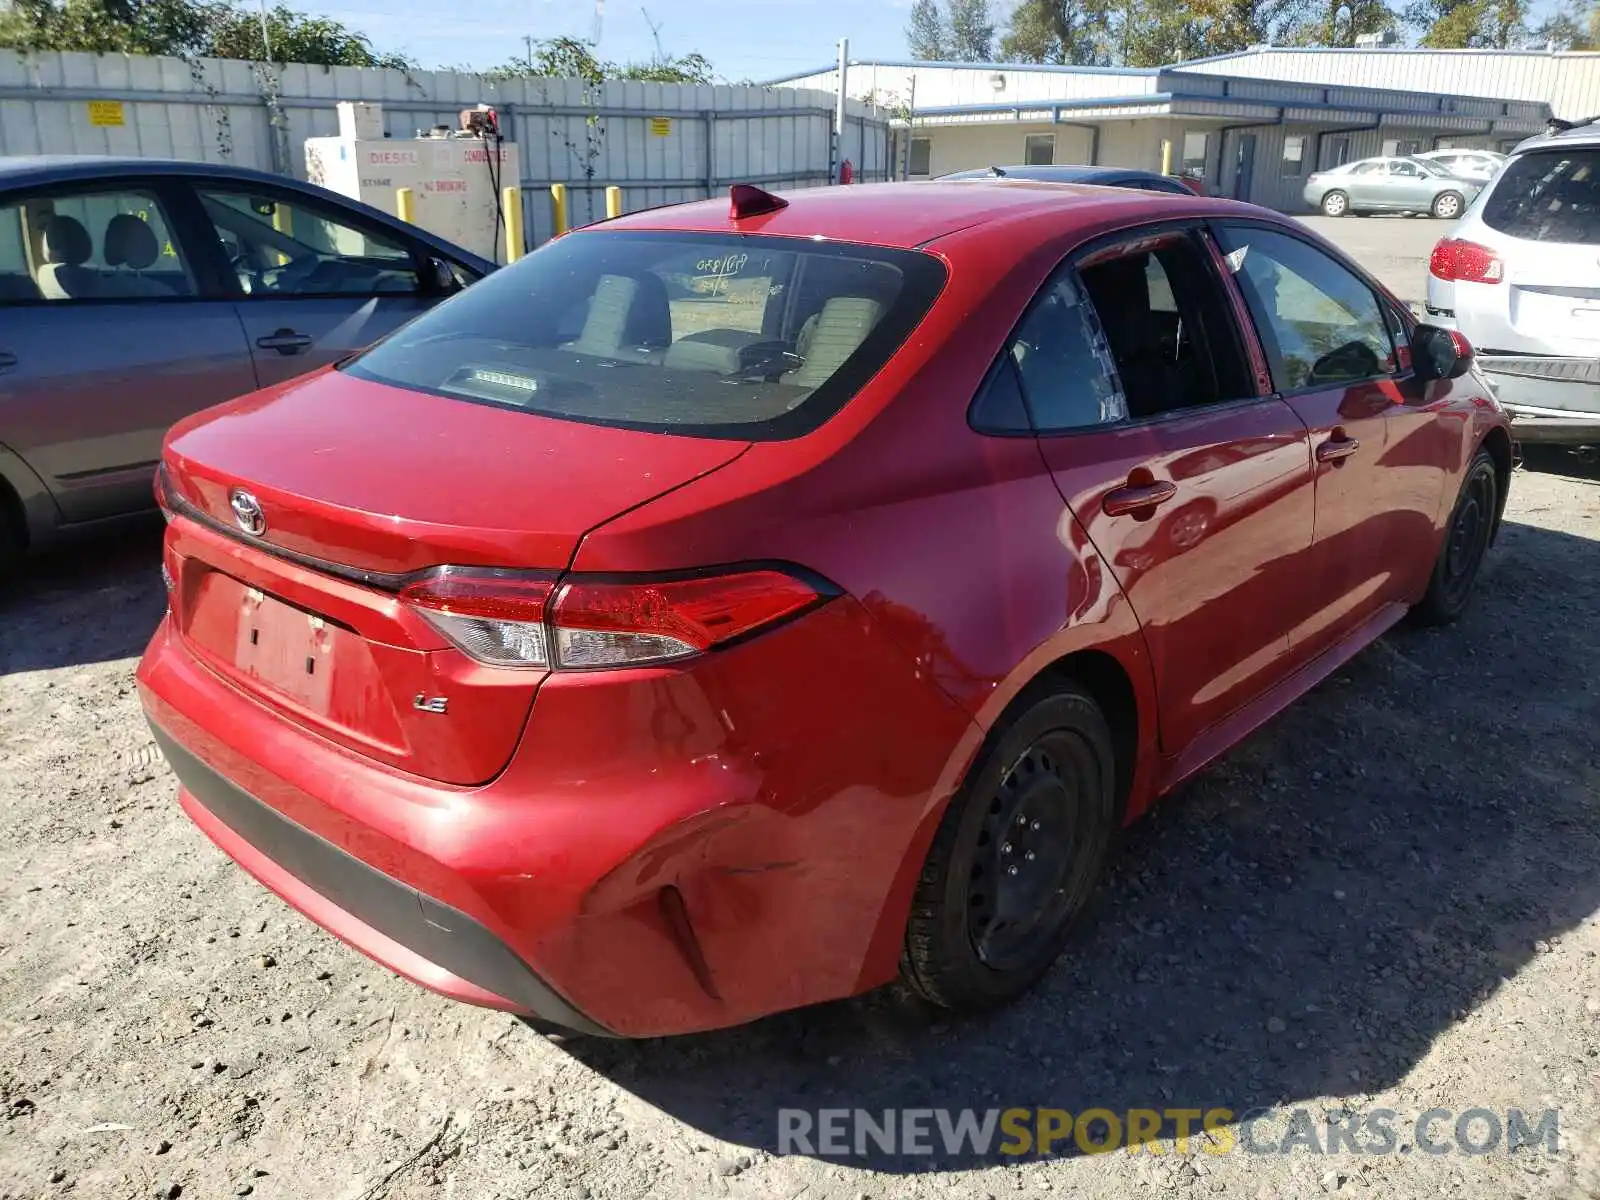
column 1548, row 196
column 713, row 335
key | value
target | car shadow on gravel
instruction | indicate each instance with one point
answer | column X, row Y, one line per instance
column 87, row 602
column 1300, row 922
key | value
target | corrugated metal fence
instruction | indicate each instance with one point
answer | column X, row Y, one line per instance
column 662, row 143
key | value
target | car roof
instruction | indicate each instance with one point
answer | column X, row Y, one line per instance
column 1074, row 173
column 27, row 169
column 909, row 215
column 1587, row 134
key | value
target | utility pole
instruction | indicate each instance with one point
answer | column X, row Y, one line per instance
column 838, row 112
column 911, row 126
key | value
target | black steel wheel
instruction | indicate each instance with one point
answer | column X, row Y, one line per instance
column 1466, row 540
column 1016, row 856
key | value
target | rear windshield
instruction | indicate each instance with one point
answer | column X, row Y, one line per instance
column 716, row 335
column 1548, row 196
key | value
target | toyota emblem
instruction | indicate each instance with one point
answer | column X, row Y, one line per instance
column 247, row 512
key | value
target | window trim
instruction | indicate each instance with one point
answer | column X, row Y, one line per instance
column 175, row 211
column 1285, row 162
column 1038, row 137
column 1196, row 227
column 1384, row 301
column 314, row 206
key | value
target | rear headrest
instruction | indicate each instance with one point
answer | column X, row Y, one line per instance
column 67, row 242
column 129, row 242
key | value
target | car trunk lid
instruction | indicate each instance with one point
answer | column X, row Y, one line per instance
column 360, row 485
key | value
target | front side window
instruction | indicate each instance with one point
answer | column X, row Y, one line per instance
column 1405, row 169
column 712, row 335
column 100, row 245
column 1548, row 196
column 287, row 247
column 1320, row 324
column 1039, row 149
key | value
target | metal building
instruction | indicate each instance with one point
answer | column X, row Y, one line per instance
column 1239, row 122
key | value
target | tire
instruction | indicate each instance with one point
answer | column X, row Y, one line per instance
column 1466, row 538
column 1041, row 798
column 1447, row 206
column 1335, row 204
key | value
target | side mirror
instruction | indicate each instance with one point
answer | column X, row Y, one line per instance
column 1439, row 353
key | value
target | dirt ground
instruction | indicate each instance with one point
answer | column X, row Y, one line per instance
column 1387, row 898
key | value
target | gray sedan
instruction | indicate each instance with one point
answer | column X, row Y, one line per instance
column 1391, row 185
column 134, row 292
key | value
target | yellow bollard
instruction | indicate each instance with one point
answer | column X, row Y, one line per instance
column 405, row 205
column 558, row 207
column 613, row 202
column 1166, row 156
column 511, row 202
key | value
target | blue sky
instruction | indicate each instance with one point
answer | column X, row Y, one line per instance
column 758, row 39
column 755, row 39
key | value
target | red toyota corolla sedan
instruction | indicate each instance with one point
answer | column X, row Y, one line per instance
column 729, row 607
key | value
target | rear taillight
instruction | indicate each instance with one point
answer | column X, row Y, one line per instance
column 1457, row 261
column 523, row 619
column 163, row 487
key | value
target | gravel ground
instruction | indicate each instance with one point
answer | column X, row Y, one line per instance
column 1386, row 898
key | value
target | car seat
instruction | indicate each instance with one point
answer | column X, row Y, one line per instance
column 130, row 242
column 629, row 316
column 67, row 246
column 832, row 336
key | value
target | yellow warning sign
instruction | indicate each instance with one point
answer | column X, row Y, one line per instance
column 106, row 113
column 660, row 126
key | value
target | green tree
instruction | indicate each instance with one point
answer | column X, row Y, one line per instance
column 1229, row 25
column 1152, row 33
column 105, row 26
column 1461, row 24
column 1575, row 27
column 293, row 37
column 215, row 28
column 571, row 58
column 971, row 31
column 926, row 35
column 1077, row 32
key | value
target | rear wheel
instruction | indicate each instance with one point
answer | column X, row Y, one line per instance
column 1466, row 539
column 1016, row 856
column 1447, row 206
column 1335, row 204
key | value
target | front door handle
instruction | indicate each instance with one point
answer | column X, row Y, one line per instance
column 285, row 341
column 1138, row 498
column 1336, row 448
column 7, row 360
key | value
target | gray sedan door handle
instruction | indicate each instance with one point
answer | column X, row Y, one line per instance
column 285, row 341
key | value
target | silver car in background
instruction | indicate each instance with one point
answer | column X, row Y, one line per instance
column 1372, row 185
column 1520, row 277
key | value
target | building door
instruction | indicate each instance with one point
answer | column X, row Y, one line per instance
column 1244, row 166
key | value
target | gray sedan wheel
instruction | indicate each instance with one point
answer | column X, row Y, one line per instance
column 1447, row 206
column 1335, row 204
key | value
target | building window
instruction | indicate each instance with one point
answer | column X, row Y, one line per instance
column 1194, row 154
column 1039, row 149
column 921, row 156
column 1336, row 152
column 1294, row 156
column 1400, row 147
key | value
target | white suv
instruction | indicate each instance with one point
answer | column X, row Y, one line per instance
column 1519, row 275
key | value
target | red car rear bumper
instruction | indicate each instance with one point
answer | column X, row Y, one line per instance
column 666, row 851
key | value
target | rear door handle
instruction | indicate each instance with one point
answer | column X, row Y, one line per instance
column 1136, row 498
column 1336, row 448
column 285, row 341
